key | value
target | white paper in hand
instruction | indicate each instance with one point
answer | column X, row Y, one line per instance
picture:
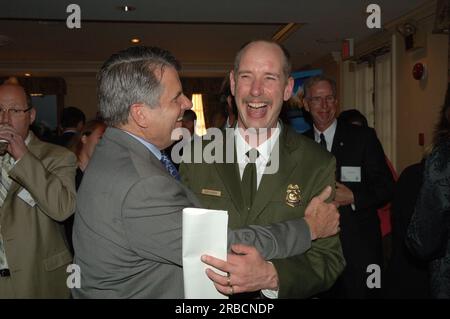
column 205, row 231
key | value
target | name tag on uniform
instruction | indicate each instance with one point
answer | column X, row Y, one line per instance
column 211, row 192
column 26, row 197
column 350, row 174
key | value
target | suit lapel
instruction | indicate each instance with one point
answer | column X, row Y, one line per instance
column 337, row 148
column 286, row 166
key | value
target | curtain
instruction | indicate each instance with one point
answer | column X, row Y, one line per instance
column 383, row 111
column 364, row 91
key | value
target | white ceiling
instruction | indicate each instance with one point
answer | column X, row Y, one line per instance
column 203, row 34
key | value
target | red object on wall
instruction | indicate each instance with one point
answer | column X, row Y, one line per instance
column 418, row 71
column 347, row 49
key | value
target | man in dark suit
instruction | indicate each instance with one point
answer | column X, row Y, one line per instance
column 364, row 184
column 127, row 231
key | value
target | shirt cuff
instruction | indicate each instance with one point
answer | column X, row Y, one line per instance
column 271, row 294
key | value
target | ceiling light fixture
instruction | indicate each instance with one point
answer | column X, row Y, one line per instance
column 135, row 40
column 27, row 74
column 126, row 8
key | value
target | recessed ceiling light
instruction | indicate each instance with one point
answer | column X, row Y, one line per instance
column 135, row 40
column 27, row 74
column 126, row 8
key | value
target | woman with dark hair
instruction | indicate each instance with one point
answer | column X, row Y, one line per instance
column 428, row 233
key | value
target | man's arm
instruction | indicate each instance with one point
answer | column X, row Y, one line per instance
column 378, row 189
column 301, row 275
column 51, row 187
column 315, row 271
column 291, row 237
column 250, row 271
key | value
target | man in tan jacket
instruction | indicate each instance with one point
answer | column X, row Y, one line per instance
column 37, row 190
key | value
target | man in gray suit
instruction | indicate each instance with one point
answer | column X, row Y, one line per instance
column 127, row 231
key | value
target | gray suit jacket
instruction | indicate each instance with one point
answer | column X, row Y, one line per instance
column 127, row 230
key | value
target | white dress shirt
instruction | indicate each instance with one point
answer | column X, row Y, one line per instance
column 264, row 149
column 328, row 133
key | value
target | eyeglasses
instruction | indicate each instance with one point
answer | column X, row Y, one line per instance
column 14, row 111
column 317, row 100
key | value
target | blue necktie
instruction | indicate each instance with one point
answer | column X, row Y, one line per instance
column 169, row 166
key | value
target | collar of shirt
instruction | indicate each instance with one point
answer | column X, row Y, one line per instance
column 328, row 133
column 264, row 149
column 152, row 148
column 28, row 139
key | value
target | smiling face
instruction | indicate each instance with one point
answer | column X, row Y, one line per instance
column 167, row 115
column 14, row 97
column 260, row 86
column 322, row 105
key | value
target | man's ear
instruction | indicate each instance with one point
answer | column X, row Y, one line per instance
column 232, row 83
column 139, row 114
column 305, row 104
column 288, row 88
column 32, row 115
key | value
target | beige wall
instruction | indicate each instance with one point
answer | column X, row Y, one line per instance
column 416, row 103
column 81, row 93
column 419, row 102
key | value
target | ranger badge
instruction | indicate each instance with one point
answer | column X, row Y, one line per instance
column 293, row 197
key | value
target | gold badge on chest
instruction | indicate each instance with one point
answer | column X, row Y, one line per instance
column 293, row 196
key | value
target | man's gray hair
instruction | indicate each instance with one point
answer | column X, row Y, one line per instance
column 128, row 77
column 309, row 83
column 287, row 64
